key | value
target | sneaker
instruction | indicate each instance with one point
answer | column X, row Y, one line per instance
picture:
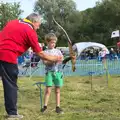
column 59, row 110
column 11, row 117
column 44, row 109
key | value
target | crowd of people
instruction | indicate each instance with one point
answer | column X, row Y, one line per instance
column 99, row 54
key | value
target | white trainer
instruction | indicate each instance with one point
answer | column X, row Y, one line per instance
column 13, row 117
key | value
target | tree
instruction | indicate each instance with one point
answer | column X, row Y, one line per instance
column 106, row 19
column 93, row 24
column 99, row 22
column 61, row 9
column 9, row 11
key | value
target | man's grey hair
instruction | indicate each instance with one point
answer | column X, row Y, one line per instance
column 34, row 17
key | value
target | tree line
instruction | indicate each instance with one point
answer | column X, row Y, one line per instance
column 91, row 25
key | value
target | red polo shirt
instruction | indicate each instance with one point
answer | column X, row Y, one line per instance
column 15, row 38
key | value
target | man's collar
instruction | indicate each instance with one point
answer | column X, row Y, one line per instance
column 28, row 21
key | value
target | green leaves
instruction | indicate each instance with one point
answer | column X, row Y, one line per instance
column 62, row 10
column 9, row 11
column 94, row 24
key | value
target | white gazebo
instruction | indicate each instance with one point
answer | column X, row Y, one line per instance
column 81, row 46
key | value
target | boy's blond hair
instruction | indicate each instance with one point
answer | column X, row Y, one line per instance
column 50, row 36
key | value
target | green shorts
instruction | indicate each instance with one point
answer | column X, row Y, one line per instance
column 54, row 77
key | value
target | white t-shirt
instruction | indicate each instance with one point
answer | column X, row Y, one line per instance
column 55, row 66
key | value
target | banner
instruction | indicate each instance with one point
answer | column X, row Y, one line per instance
column 115, row 34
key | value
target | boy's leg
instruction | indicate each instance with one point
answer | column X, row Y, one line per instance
column 57, row 93
column 48, row 80
column 47, row 95
column 58, row 81
column 46, row 98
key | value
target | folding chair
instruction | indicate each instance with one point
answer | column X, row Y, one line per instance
column 31, row 64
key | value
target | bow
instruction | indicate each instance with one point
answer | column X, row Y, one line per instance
column 72, row 53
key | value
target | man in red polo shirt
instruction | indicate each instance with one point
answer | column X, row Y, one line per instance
column 15, row 38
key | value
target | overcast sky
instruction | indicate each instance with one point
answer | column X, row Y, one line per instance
column 27, row 5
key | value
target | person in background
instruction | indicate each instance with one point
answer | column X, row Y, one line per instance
column 102, row 54
column 15, row 38
column 53, row 73
column 113, row 54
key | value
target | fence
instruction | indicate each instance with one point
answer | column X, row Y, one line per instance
column 83, row 68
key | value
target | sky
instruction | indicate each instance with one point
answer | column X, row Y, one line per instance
column 84, row 4
column 27, row 5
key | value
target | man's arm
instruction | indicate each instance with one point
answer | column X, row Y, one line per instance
column 51, row 58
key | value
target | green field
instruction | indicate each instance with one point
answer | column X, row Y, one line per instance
column 78, row 101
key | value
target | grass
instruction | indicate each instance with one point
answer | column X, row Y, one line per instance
column 78, row 101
